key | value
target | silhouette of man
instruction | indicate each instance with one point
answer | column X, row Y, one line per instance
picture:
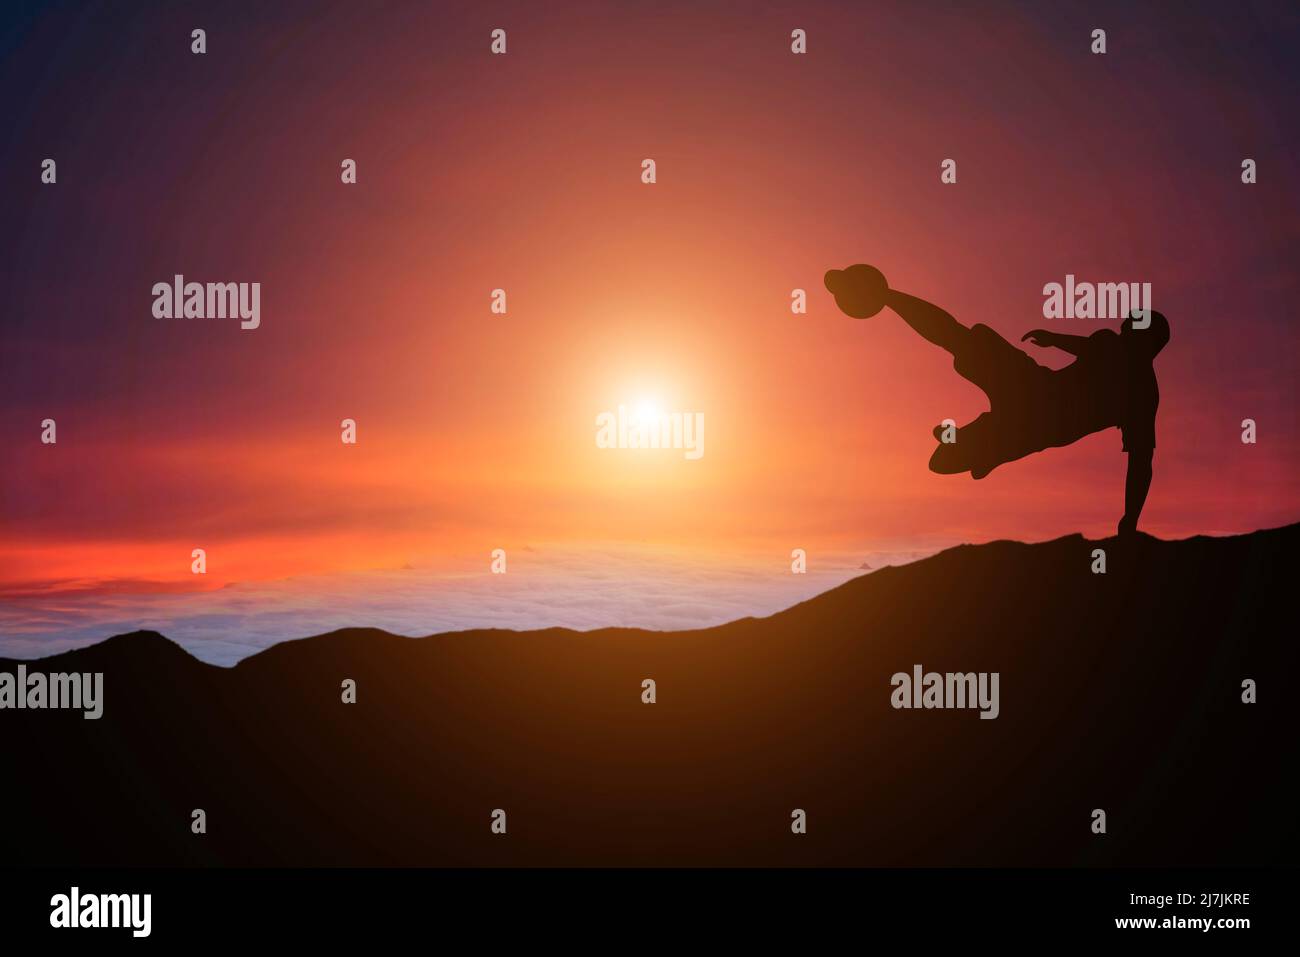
column 1031, row 407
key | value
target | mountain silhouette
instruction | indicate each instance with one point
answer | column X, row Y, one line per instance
column 1119, row 691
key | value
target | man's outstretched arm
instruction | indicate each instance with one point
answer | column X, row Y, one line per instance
column 1074, row 345
column 1136, row 485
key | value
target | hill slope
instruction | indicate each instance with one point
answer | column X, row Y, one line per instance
column 1119, row 691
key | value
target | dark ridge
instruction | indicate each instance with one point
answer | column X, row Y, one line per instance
column 1120, row 691
column 140, row 647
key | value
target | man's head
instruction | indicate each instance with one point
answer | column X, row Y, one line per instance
column 1145, row 339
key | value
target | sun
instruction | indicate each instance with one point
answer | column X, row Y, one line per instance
column 645, row 412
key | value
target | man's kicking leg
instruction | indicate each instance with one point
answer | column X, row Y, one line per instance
column 973, row 451
column 979, row 354
column 929, row 321
column 954, row 451
column 861, row 291
column 975, row 447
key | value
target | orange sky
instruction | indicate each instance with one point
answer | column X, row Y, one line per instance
column 477, row 431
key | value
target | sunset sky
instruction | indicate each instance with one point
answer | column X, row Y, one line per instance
column 476, row 431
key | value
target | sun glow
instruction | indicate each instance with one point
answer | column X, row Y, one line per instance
column 646, row 412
